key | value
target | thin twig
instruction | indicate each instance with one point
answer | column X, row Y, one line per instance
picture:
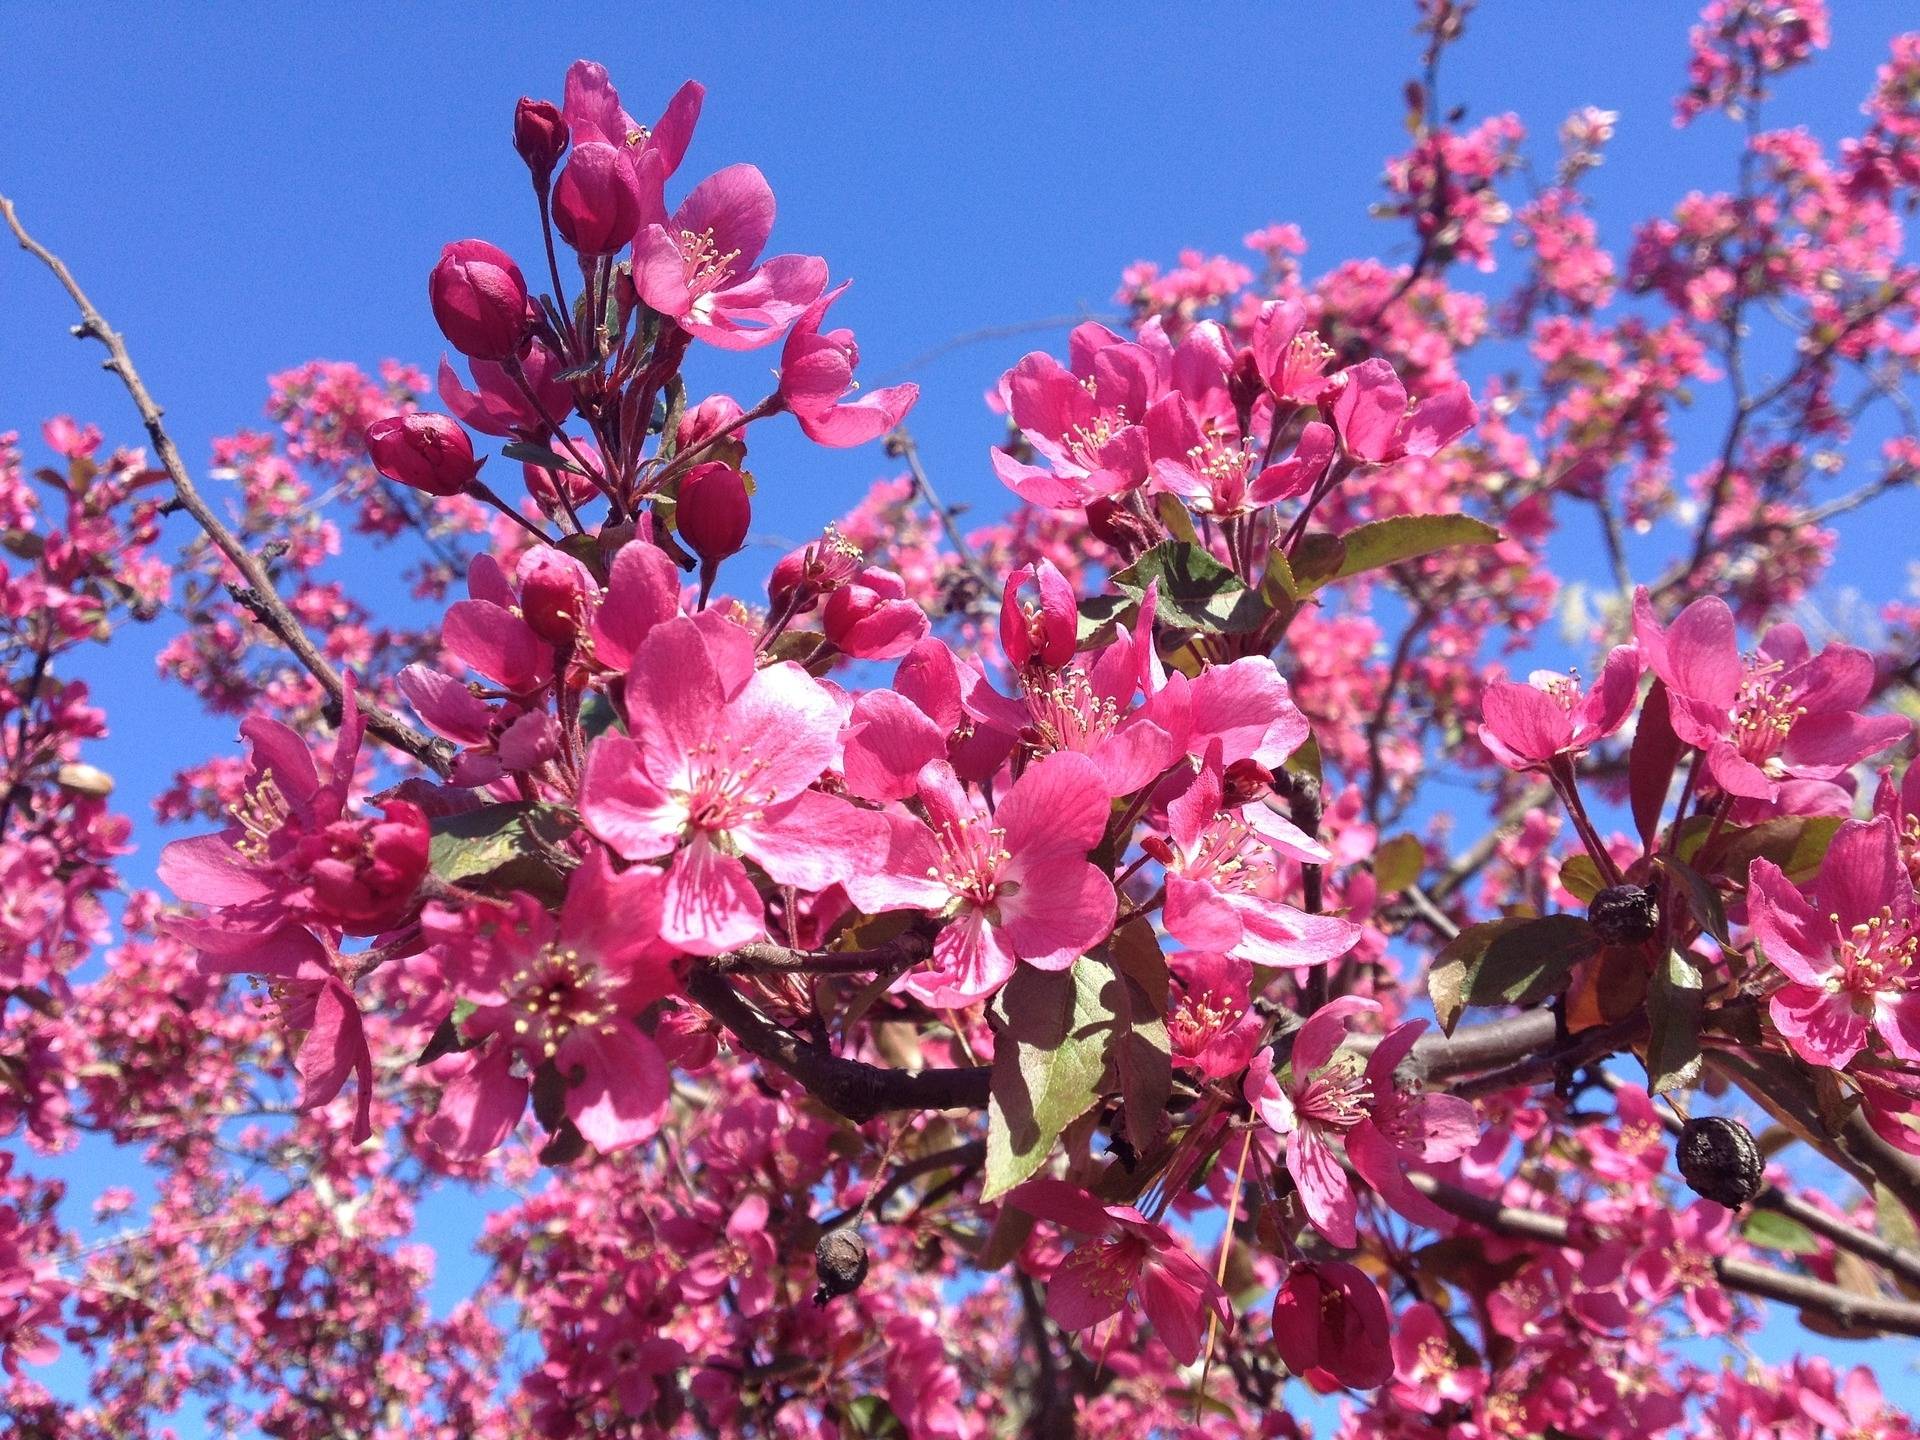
column 260, row 597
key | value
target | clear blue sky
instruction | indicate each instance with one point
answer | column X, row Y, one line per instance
column 245, row 188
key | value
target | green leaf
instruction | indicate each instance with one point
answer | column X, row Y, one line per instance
column 499, row 848
column 1516, row 961
column 1317, row 559
column 1197, row 592
column 1581, row 878
column 597, row 714
column 1675, row 1002
column 1398, row 863
column 1048, row 1063
column 1702, row 899
column 871, row 1418
column 539, row 455
column 1400, row 537
column 1796, row 843
column 1778, row 1232
column 1141, row 1052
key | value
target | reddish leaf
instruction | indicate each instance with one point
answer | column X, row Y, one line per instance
column 1650, row 764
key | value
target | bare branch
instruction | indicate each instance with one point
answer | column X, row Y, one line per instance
column 258, row 595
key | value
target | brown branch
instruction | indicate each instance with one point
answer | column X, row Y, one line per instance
column 900, row 443
column 908, row 949
column 1901, row 1317
column 258, row 595
column 851, row 1088
column 1899, row 1259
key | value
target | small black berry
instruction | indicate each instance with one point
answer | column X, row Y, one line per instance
column 840, row 1260
column 1624, row 914
column 1720, row 1160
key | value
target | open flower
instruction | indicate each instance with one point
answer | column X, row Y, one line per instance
column 561, row 993
column 702, row 268
column 1530, row 726
column 1377, row 423
column 1223, row 880
column 1851, row 956
column 295, row 851
column 816, row 371
column 1086, row 420
column 716, row 766
column 1014, row 882
column 1125, row 1256
column 1788, row 714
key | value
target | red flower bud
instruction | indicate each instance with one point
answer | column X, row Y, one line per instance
column 596, row 204
column 802, row 576
column 556, row 594
column 713, row 511
column 540, row 135
column 479, row 300
column 427, row 451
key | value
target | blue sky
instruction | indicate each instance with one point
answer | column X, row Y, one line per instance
column 245, row 188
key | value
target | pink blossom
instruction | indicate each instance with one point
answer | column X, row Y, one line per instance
column 1428, row 1373
column 1377, row 424
column 557, row 993
column 702, row 268
column 1086, row 419
column 871, row 618
column 1851, row 956
column 716, row 766
column 1787, row 715
column 1548, row 719
column 816, row 370
column 1013, row 882
column 295, row 850
column 497, row 406
column 1330, row 1326
column 1223, row 879
column 1125, row 1255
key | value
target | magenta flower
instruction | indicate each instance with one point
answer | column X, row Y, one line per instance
column 1676, row 1258
column 1125, row 1256
column 593, row 111
column 1223, row 880
column 871, row 618
column 1292, row 359
column 294, row 850
column 1085, row 419
column 1329, row 1098
column 496, row 406
column 702, row 267
column 816, row 371
column 1212, row 1026
column 425, row 451
column 479, row 300
column 1852, row 956
column 1786, row 715
column 1548, row 719
column 1377, row 424
column 715, row 767
column 1427, row 1372
column 562, row 993
column 1403, row 1128
column 1014, row 882
column 1331, row 1327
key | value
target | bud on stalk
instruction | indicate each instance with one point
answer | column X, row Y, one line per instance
column 596, row 203
column 712, row 514
column 426, row 451
column 479, row 300
column 540, row 135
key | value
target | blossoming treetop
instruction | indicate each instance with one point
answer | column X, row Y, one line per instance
column 1017, row 978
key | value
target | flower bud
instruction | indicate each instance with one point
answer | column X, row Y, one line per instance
column 430, row 452
column 1624, row 914
column 1720, row 1160
column 802, row 576
column 706, row 420
column 871, row 618
column 840, row 1260
column 479, row 300
column 540, row 135
column 556, row 594
column 713, row 511
column 596, row 202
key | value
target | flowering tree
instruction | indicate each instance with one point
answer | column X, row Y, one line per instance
column 1119, row 969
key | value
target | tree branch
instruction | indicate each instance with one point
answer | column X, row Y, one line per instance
column 258, row 595
column 1901, row 1317
column 851, row 1088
